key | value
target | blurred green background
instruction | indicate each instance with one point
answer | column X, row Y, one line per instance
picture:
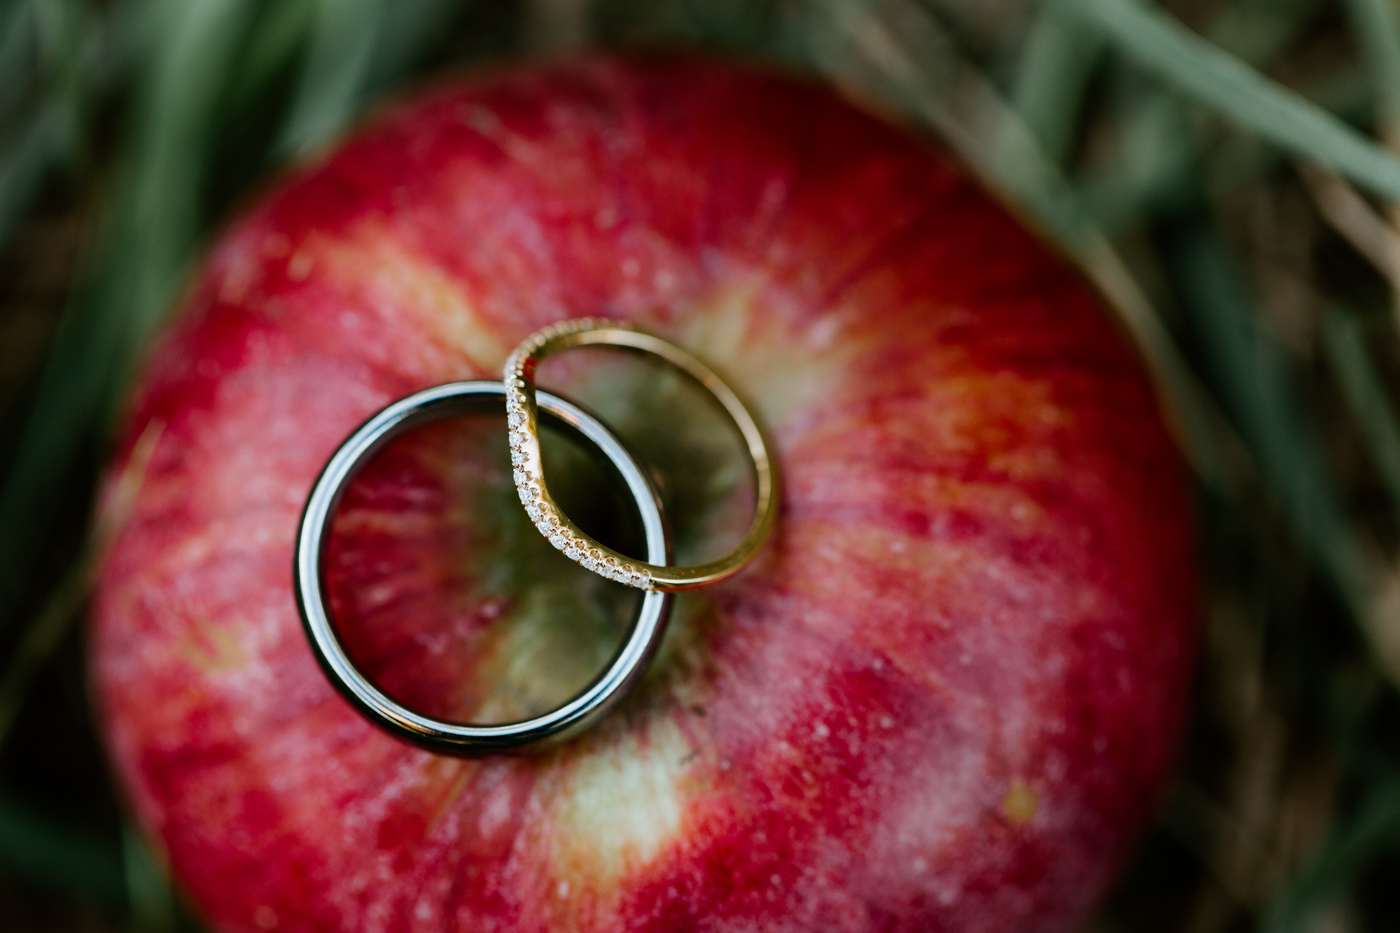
column 1223, row 170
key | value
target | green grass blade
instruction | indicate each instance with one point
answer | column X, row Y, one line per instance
column 32, row 151
column 1164, row 47
column 1377, row 30
column 39, row 642
column 278, row 34
column 1054, row 70
column 1374, row 828
column 61, row 27
column 17, row 52
column 1155, row 163
column 728, row 24
column 148, row 888
column 151, row 233
column 1344, row 343
column 404, row 35
column 1163, row 161
column 358, row 49
column 336, row 73
column 35, row 38
column 158, row 211
column 1160, row 150
column 1258, row 31
column 62, row 859
column 74, row 389
column 1258, row 390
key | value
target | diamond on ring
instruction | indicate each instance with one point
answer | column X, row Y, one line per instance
column 518, row 379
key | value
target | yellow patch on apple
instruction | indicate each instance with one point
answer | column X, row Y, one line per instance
column 618, row 807
column 394, row 279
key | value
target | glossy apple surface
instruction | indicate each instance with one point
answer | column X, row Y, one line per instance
column 946, row 696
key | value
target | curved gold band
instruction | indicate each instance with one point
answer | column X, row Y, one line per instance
column 529, row 473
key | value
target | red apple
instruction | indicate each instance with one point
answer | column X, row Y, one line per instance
column 944, row 699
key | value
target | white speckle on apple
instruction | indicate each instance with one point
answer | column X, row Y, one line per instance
column 820, row 730
column 823, row 332
column 265, row 917
column 299, row 267
column 563, row 890
column 886, row 722
column 497, row 806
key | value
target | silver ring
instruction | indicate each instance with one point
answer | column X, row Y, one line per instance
column 457, row 738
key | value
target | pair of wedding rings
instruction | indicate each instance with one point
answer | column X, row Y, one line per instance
column 524, row 407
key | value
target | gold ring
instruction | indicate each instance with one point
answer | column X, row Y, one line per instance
column 529, row 473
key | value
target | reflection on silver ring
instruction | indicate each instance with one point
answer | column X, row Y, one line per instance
column 455, row 738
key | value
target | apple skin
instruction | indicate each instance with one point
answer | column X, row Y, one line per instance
column 947, row 696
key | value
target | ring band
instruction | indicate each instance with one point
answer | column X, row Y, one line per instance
column 529, row 472
column 455, row 738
